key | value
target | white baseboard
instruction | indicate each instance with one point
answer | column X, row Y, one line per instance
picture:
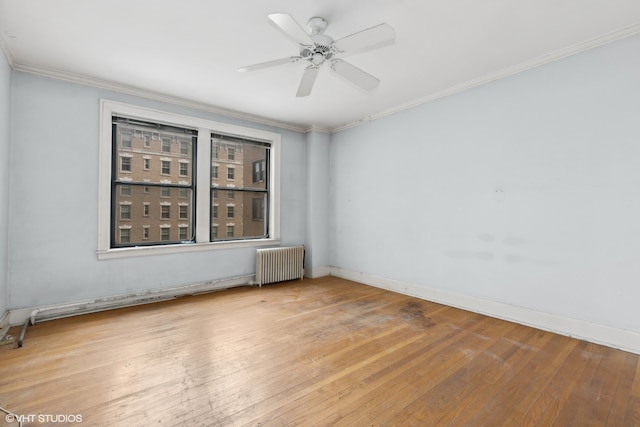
column 21, row 315
column 580, row 329
column 316, row 272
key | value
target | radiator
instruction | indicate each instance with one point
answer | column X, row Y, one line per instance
column 279, row 264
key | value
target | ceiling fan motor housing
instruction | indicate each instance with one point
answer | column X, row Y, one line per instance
column 321, row 50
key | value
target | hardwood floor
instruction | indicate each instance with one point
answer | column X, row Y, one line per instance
column 313, row 352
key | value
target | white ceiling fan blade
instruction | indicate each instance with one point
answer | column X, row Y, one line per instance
column 354, row 74
column 308, row 79
column 291, row 28
column 366, row 39
column 268, row 64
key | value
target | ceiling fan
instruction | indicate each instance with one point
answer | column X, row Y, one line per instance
column 316, row 48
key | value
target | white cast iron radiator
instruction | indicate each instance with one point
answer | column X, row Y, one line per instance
column 279, row 264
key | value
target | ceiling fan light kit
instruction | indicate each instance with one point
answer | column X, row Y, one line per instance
column 316, row 48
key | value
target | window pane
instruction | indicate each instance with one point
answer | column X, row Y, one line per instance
column 155, row 158
column 165, row 167
column 165, row 212
column 166, row 144
column 256, row 167
column 125, row 211
column 248, row 215
column 147, row 209
column 126, row 138
column 257, row 208
column 254, row 213
column 125, row 164
column 259, row 172
column 185, row 147
column 165, row 233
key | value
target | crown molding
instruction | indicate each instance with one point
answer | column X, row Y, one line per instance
column 155, row 96
column 505, row 72
column 316, row 128
column 7, row 53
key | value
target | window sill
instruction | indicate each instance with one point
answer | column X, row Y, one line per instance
column 182, row 248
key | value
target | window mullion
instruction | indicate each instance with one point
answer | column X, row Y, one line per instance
column 203, row 184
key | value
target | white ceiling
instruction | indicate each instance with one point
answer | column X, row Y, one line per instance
column 191, row 49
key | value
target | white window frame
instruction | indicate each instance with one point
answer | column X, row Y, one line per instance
column 203, row 157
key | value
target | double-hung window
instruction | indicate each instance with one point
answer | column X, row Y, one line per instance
column 159, row 179
column 159, row 182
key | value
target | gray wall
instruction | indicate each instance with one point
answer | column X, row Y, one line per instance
column 53, row 210
column 318, row 211
column 524, row 191
column 5, row 134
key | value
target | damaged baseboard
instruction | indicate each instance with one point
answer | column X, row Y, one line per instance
column 4, row 329
column 4, row 323
column 55, row 311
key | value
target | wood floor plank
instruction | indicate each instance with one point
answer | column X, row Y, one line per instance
column 439, row 404
column 632, row 412
column 411, row 376
column 347, row 391
column 476, row 408
column 314, row 352
column 600, row 391
column 579, row 366
column 625, row 372
column 538, row 372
